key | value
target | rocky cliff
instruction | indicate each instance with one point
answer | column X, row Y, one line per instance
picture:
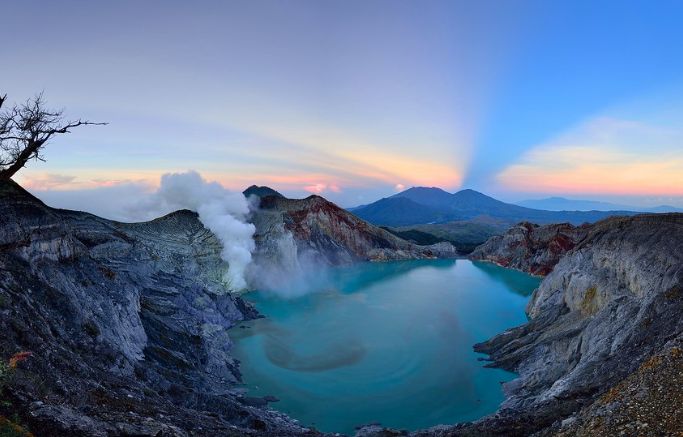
column 294, row 235
column 127, row 326
column 602, row 353
column 609, row 305
column 127, row 323
column 531, row 248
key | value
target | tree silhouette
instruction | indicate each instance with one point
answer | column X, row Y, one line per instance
column 25, row 130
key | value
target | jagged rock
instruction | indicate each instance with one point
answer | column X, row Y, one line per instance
column 300, row 234
column 127, row 324
column 531, row 248
column 648, row 402
column 604, row 335
column 609, row 304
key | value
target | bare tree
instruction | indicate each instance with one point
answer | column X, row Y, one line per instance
column 25, row 130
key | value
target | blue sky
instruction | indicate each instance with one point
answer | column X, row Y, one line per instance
column 355, row 100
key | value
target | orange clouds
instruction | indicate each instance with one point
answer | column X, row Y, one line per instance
column 83, row 180
column 344, row 157
column 48, row 182
column 604, row 156
column 322, row 187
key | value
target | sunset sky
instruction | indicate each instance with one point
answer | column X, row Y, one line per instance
column 356, row 100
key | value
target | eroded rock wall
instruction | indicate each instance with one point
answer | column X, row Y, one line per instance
column 608, row 305
column 531, row 248
column 299, row 234
column 127, row 326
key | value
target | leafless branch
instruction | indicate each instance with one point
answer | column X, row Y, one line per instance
column 25, row 129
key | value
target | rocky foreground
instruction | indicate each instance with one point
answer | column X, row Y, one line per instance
column 602, row 353
column 606, row 321
column 127, row 323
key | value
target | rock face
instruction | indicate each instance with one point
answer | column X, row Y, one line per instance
column 260, row 191
column 602, row 352
column 127, row 324
column 648, row 402
column 531, row 248
column 294, row 235
column 610, row 304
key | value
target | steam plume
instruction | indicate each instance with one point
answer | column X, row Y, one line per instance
column 221, row 211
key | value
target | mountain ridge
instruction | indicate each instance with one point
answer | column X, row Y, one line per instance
column 557, row 203
column 434, row 205
column 294, row 236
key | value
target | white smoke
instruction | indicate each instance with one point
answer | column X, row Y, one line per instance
column 289, row 280
column 222, row 211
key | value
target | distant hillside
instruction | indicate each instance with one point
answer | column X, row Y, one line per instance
column 466, row 235
column 415, row 236
column 433, row 196
column 397, row 211
column 664, row 209
column 422, row 205
column 564, row 204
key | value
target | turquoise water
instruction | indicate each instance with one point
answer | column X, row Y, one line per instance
column 384, row 342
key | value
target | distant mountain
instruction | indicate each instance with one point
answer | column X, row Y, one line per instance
column 665, row 208
column 397, row 211
column 421, row 205
column 425, row 196
column 260, row 191
column 564, row 204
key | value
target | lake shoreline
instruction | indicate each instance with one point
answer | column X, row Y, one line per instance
column 339, row 358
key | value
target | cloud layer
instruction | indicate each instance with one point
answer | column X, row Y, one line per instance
column 603, row 156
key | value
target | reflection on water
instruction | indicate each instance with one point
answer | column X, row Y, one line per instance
column 384, row 342
column 281, row 351
column 516, row 281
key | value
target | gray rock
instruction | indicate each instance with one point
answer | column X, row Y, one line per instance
column 531, row 248
column 294, row 236
column 127, row 323
column 610, row 303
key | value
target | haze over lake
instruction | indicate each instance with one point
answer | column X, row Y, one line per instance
column 384, row 342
